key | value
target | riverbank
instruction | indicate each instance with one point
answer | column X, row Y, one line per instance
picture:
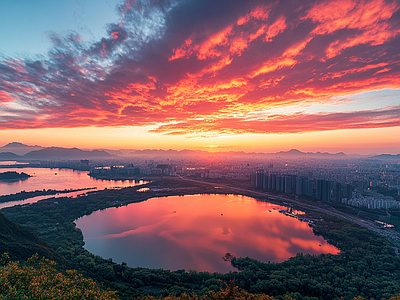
column 125, row 177
column 26, row 195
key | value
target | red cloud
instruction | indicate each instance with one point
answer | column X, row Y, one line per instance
column 293, row 123
column 6, row 97
column 370, row 18
column 114, row 34
column 208, row 73
column 234, row 38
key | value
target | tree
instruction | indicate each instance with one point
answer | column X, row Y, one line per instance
column 38, row 279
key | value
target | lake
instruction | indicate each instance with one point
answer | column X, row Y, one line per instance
column 196, row 231
column 55, row 179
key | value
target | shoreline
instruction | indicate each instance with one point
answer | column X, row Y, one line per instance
column 27, row 195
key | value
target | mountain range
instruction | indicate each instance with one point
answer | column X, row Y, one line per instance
column 386, row 157
column 19, row 151
column 19, row 148
column 297, row 153
column 50, row 153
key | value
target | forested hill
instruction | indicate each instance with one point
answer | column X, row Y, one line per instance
column 21, row 244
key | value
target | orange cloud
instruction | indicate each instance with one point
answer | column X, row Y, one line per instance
column 285, row 60
column 335, row 15
column 354, row 70
column 233, row 37
column 276, row 28
column 294, row 123
column 368, row 17
column 182, row 51
column 208, row 49
column 273, row 65
column 375, row 36
column 259, row 13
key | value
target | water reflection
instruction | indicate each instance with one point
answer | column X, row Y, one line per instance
column 38, row 198
column 195, row 232
column 11, row 162
column 56, row 179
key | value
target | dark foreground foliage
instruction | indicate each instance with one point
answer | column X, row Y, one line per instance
column 38, row 279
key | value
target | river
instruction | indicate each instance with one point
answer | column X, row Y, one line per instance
column 56, row 179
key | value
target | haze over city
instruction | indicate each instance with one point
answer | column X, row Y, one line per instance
column 259, row 76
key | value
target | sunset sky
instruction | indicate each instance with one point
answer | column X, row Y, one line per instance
column 220, row 75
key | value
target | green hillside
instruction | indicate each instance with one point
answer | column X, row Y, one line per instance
column 22, row 244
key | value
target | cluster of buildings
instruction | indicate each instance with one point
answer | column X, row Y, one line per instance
column 371, row 199
column 81, row 165
column 202, row 173
column 131, row 170
column 355, row 194
column 349, row 181
column 324, row 190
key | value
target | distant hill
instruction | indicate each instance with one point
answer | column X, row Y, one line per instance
column 56, row 153
column 155, row 152
column 21, row 244
column 19, row 148
column 297, row 153
column 386, row 157
column 9, row 156
column 294, row 153
column 59, row 153
column 113, row 152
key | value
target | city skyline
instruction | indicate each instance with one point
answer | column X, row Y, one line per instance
column 258, row 76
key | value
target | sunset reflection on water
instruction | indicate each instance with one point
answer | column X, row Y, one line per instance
column 196, row 231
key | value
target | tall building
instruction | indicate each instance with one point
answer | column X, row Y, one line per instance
column 338, row 192
column 253, row 181
column 326, row 190
column 299, row 185
column 319, row 189
column 269, row 182
column 265, row 181
column 310, row 188
column 294, row 182
column 288, row 184
column 259, row 179
column 273, row 180
column 349, row 191
column 278, row 183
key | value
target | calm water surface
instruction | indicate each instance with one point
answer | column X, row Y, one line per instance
column 196, row 231
column 55, row 179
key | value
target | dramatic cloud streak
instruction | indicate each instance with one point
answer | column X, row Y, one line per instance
column 293, row 123
column 208, row 67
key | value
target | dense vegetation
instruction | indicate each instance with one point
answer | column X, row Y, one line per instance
column 38, row 279
column 367, row 265
column 21, row 243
